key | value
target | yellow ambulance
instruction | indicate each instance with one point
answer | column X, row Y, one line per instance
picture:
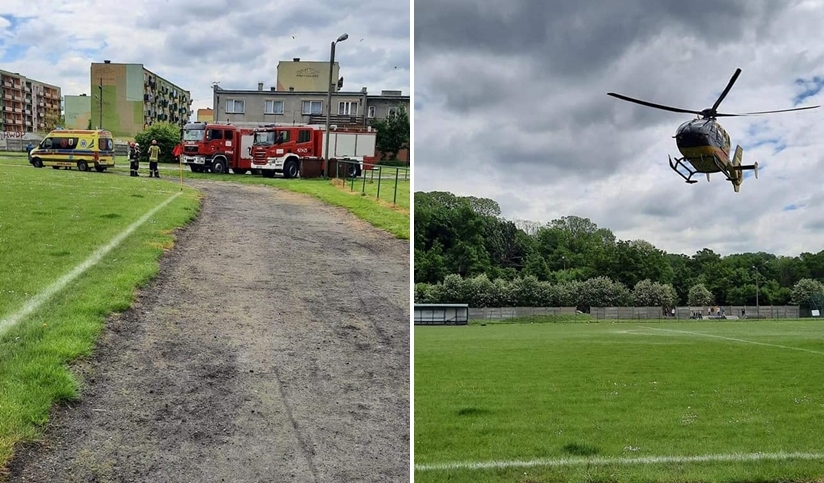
column 70, row 148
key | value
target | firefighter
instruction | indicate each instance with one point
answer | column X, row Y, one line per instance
column 134, row 158
column 154, row 154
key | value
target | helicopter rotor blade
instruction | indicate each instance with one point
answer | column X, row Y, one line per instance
column 727, row 90
column 650, row 104
column 766, row 112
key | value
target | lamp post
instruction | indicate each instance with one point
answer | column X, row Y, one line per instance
column 100, row 114
column 329, row 98
column 757, row 305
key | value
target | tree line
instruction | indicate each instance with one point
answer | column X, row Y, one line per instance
column 464, row 240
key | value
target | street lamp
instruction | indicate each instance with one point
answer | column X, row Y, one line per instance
column 329, row 97
column 100, row 124
column 757, row 306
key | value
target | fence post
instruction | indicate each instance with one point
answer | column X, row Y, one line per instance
column 380, row 175
column 395, row 197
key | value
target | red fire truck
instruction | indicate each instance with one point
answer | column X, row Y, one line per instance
column 217, row 148
column 280, row 149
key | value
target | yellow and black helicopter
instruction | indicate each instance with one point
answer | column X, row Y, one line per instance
column 704, row 144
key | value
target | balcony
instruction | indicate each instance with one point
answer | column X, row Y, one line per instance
column 7, row 83
column 7, row 108
column 28, row 112
column 337, row 120
column 19, row 122
column 18, row 110
column 28, row 123
column 7, row 96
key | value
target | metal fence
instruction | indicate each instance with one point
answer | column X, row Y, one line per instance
column 645, row 313
column 698, row 312
column 388, row 183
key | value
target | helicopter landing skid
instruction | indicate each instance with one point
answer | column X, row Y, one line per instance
column 679, row 163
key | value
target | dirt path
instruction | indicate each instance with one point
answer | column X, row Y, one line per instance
column 272, row 347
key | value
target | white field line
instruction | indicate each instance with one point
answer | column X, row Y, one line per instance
column 32, row 304
column 736, row 340
column 643, row 460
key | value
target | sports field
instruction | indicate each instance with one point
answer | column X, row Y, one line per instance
column 732, row 401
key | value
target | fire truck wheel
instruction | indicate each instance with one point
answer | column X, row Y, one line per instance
column 353, row 171
column 219, row 166
column 239, row 171
column 290, row 170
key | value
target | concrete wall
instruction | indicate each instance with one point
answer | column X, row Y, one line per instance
column 306, row 76
column 78, row 112
column 292, row 105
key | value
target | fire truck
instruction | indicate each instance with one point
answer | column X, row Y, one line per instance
column 216, row 148
column 280, row 149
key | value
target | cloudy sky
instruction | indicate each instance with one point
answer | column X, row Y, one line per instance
column 511, row 104
column 237, row 43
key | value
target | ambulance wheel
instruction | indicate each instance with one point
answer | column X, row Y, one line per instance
column 100, row 169
column 82, row 166
column 56, row 167
column 37, row 163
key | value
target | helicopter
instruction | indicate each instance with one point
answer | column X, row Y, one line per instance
column 704, row 144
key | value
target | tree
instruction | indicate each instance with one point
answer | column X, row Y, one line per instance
column 52, row 120
column 167, row 136
column 393, row 133
column 699, row 295
column 806, row 290
column 653, row 294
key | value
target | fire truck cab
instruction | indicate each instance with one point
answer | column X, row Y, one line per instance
column 280, row 149
column 216, row 148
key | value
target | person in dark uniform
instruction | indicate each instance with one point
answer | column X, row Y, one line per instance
column 134, row 159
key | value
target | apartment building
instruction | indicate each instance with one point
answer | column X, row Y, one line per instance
column 127, row 98
column 27, row 105
column 349, row 108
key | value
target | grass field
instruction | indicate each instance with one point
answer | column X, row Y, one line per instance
column 387, row 194
column 620, row 402
column 63, row 272
column 368, row 208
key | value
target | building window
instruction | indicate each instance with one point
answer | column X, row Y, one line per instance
column 348, row 108
column 234, row 106
column 273, row 107
column 312, row 108
column 371, row 112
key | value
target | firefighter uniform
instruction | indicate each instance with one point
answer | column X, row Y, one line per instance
column 134, row 159
column 154, row 154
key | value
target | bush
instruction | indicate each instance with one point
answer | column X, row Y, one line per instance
column 167, row 136
column 393, row 162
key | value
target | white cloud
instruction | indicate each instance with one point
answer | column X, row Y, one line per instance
column 193, row 44
column 514, row 108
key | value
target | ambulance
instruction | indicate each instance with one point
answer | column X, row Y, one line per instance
column 75, row 148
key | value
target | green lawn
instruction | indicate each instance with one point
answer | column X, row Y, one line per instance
column 368, row 208
column 52, row 222
column 383, row 189
column 612, row 401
